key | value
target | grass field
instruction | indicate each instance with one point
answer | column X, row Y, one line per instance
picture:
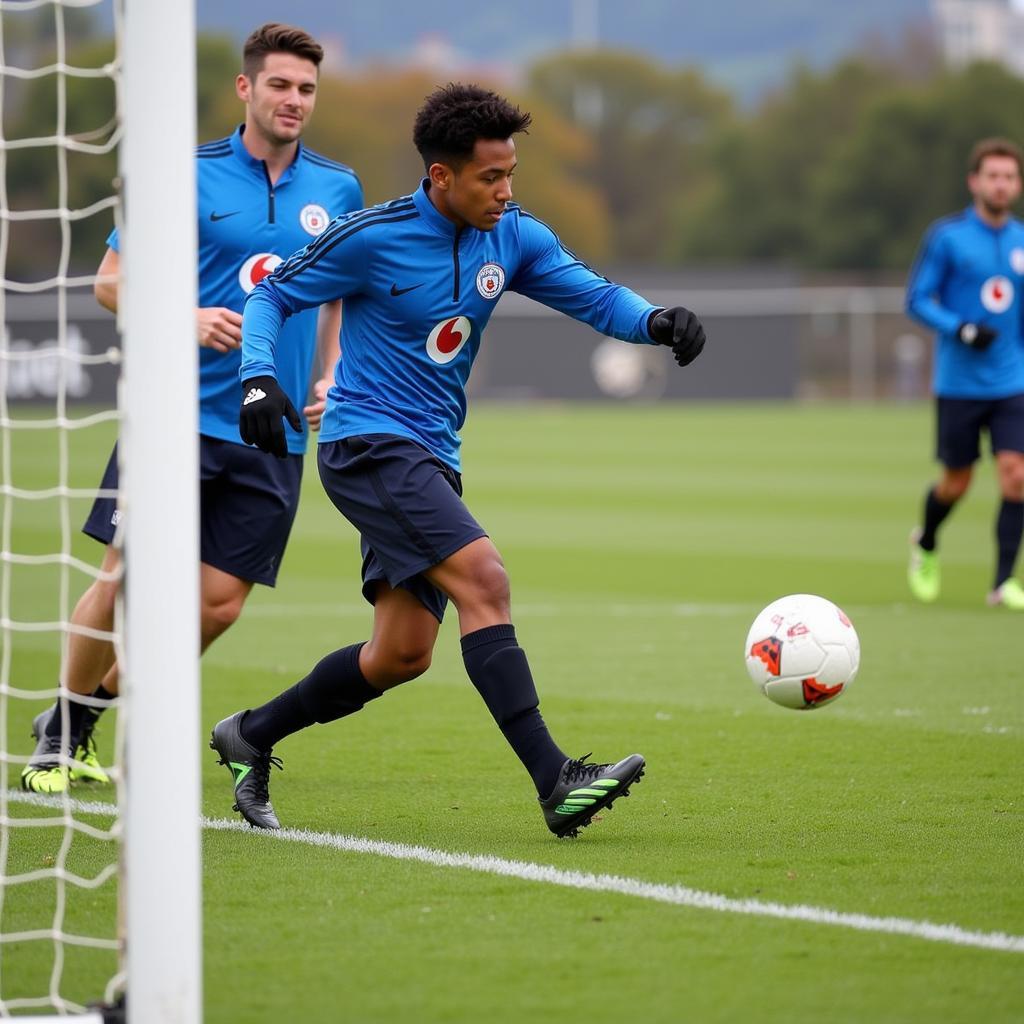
column 640, row 543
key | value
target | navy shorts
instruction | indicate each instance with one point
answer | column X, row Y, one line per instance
column 406, row 505
column 960, row 421
column 247, row 504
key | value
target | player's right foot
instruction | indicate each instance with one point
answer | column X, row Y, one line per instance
column 250, row 770
column 923, row 570
column 1009, row 594
column 88, row 767
column 44, row 773
column 584, row 789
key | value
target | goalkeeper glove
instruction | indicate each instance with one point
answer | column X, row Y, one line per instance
column 976, row 336
column 259, row 421
column 680, row 330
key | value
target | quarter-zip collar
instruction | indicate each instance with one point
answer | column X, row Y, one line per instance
column 436, row 220
column 260, row 166
column 973, row 215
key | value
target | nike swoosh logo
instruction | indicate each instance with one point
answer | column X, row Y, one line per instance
column 220, row 216
column 395, row 290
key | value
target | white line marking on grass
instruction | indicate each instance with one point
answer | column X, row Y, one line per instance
column 679, row 895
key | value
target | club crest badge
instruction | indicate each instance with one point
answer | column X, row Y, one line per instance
column 490, row 279
column 997, row 294
column 1017, row 260
column 313, row 219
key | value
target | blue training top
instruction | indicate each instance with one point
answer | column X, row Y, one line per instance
column 418, row 293
column 246, row 228
column 968, row 271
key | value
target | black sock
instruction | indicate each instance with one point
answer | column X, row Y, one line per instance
column 76, row 718
column 334, row 688
column 1009, row 526
column 103, row 694
column 499, row 670
column 934, row 512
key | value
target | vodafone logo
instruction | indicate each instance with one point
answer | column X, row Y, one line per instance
column 255, row 268
column 313, row 219
column 997, row 294
column 445, row 341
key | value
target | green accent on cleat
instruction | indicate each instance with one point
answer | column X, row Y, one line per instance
column 250, row 771
column 1009, row 594
column 923, row 576
column 571, row 806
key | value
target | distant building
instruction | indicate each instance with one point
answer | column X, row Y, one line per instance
column 972, row 30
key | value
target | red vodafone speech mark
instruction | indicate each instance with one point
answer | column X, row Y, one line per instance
column 449, row 339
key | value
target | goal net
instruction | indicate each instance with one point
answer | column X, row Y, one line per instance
column 99, row 883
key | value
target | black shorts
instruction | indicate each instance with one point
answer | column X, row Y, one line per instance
column 247, row 504
column 406, row 505
column 960, row 421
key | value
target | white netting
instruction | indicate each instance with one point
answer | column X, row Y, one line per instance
column 60, row 936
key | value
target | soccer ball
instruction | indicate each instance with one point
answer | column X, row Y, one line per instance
column 802, row 652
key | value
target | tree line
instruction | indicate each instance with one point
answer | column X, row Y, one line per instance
column 634, row 162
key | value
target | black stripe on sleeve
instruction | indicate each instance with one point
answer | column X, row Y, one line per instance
column 564, row 248
column 316, row 250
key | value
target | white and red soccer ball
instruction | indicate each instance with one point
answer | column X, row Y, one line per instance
column 802, row 652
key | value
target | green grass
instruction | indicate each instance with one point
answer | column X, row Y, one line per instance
column 640, row 544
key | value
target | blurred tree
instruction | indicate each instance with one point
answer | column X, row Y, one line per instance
column 650, row 127
column 766, row 167
column 906, row 165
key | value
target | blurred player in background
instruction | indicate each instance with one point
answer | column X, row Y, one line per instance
column 261, row 196
column 966, row 284
column 420, row 276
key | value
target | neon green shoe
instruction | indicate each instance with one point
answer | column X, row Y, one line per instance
column 1009, row 594
column 923, row 570
column 44, row 773
column 88, row 767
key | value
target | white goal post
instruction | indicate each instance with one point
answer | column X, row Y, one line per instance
column 162, row 874
column 159, row 939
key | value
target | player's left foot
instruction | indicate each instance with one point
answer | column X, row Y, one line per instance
column 923, row 576
column 44, row 773
column 88, row 767
column 250, row 770
column 1009, row 594
column 584, row 789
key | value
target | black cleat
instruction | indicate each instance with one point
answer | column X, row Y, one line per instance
column 584, row 789
column 250, row 770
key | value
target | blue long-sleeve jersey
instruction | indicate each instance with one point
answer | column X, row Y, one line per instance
column 418, row 294
column 968, row 271
column 247, row 226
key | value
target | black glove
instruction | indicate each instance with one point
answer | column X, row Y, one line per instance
column 680, row 330
column 976, row 336
column 259, row 421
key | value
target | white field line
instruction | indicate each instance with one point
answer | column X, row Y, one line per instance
column 677, row 895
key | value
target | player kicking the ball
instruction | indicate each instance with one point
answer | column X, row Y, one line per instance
column 420, row 276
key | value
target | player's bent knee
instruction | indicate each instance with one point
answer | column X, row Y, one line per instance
column 489, row 586
column 396, row 664
column 219, row 615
